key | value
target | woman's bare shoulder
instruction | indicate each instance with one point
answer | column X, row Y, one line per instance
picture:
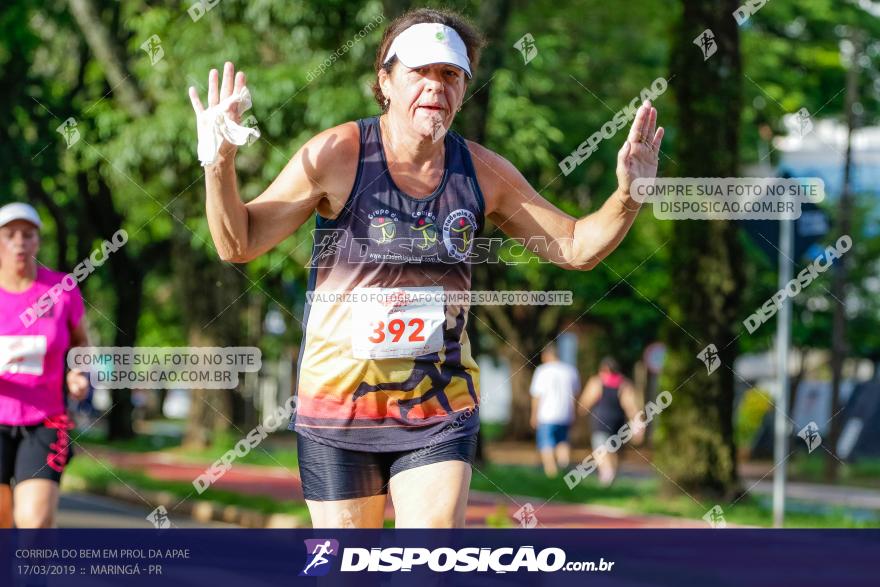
column 492, row 171
column 330, row 158
column 485, row 160
column 333, row 147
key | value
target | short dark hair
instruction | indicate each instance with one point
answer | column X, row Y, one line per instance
column 609, row 363
column 470, row 34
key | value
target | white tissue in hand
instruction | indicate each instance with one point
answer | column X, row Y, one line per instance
column 214, row 125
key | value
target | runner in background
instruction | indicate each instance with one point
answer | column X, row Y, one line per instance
column 38, row 325
column 610, row 399
column 554, row 387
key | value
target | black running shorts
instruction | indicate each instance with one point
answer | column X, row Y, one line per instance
column 40, row 451
column 330, row 473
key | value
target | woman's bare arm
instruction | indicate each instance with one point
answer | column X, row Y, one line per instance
column 590, row 396
column 628, row 399
column 318, row 177
column 77, row 381
column 522, row 213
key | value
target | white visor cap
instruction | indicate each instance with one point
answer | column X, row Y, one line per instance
column 19, row 211
column 429, row 42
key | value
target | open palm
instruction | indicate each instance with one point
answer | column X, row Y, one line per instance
column 232, row 83
column 638, row 157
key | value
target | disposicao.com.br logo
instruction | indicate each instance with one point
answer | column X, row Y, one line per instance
column 317, row 561
column 468, row 559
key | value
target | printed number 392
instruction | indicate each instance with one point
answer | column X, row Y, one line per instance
column 396, row 328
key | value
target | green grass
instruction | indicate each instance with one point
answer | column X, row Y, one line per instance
column 266, row 454
column 642, row 497
column 492, row 430
column 811, row 468
column 140, row 443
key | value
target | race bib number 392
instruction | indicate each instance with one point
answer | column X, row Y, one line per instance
column 396, row 322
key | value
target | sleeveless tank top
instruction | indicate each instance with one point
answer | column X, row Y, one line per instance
column 608, row 415
column 383, row 365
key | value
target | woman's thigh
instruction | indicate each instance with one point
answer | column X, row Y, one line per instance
column 434, row 495
column 342, row 488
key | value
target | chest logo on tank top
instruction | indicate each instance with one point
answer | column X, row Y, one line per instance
column 424, row 231
column 459, row 229
column 383, row 226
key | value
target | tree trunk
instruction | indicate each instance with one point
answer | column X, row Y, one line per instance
column 211, row 292
column 839, row 346
column 128, row 275
column 518, row 428
column 111, row 57
column 695, row 444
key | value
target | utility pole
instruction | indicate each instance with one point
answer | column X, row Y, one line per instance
column 783, row 344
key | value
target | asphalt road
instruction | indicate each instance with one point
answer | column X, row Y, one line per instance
column 81, row 510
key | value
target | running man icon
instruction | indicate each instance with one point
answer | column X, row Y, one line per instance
column 317, row 551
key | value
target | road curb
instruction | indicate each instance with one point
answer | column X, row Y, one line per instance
column 199, row 510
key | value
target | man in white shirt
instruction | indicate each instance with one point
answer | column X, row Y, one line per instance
column 554, row 386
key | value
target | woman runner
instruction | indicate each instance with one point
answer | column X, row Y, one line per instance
column 610, row 400
column 42, row 319
column 387, row 387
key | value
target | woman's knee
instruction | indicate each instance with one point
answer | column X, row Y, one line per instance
column 35, row 502
column 30, row 514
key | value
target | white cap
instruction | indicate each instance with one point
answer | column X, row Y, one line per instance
column 429, row 42
column 19, row 211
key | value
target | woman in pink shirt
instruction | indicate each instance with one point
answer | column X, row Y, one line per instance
column 41, row 319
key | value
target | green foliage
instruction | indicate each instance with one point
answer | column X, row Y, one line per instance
column 750, row 413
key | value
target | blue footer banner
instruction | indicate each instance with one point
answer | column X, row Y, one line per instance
column 72, row 558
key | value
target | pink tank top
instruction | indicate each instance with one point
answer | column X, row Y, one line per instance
column 35, row 330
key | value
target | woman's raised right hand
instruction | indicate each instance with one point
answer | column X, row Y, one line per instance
column 232, row 83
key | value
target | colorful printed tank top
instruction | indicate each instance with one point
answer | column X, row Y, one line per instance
column 385, row 362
